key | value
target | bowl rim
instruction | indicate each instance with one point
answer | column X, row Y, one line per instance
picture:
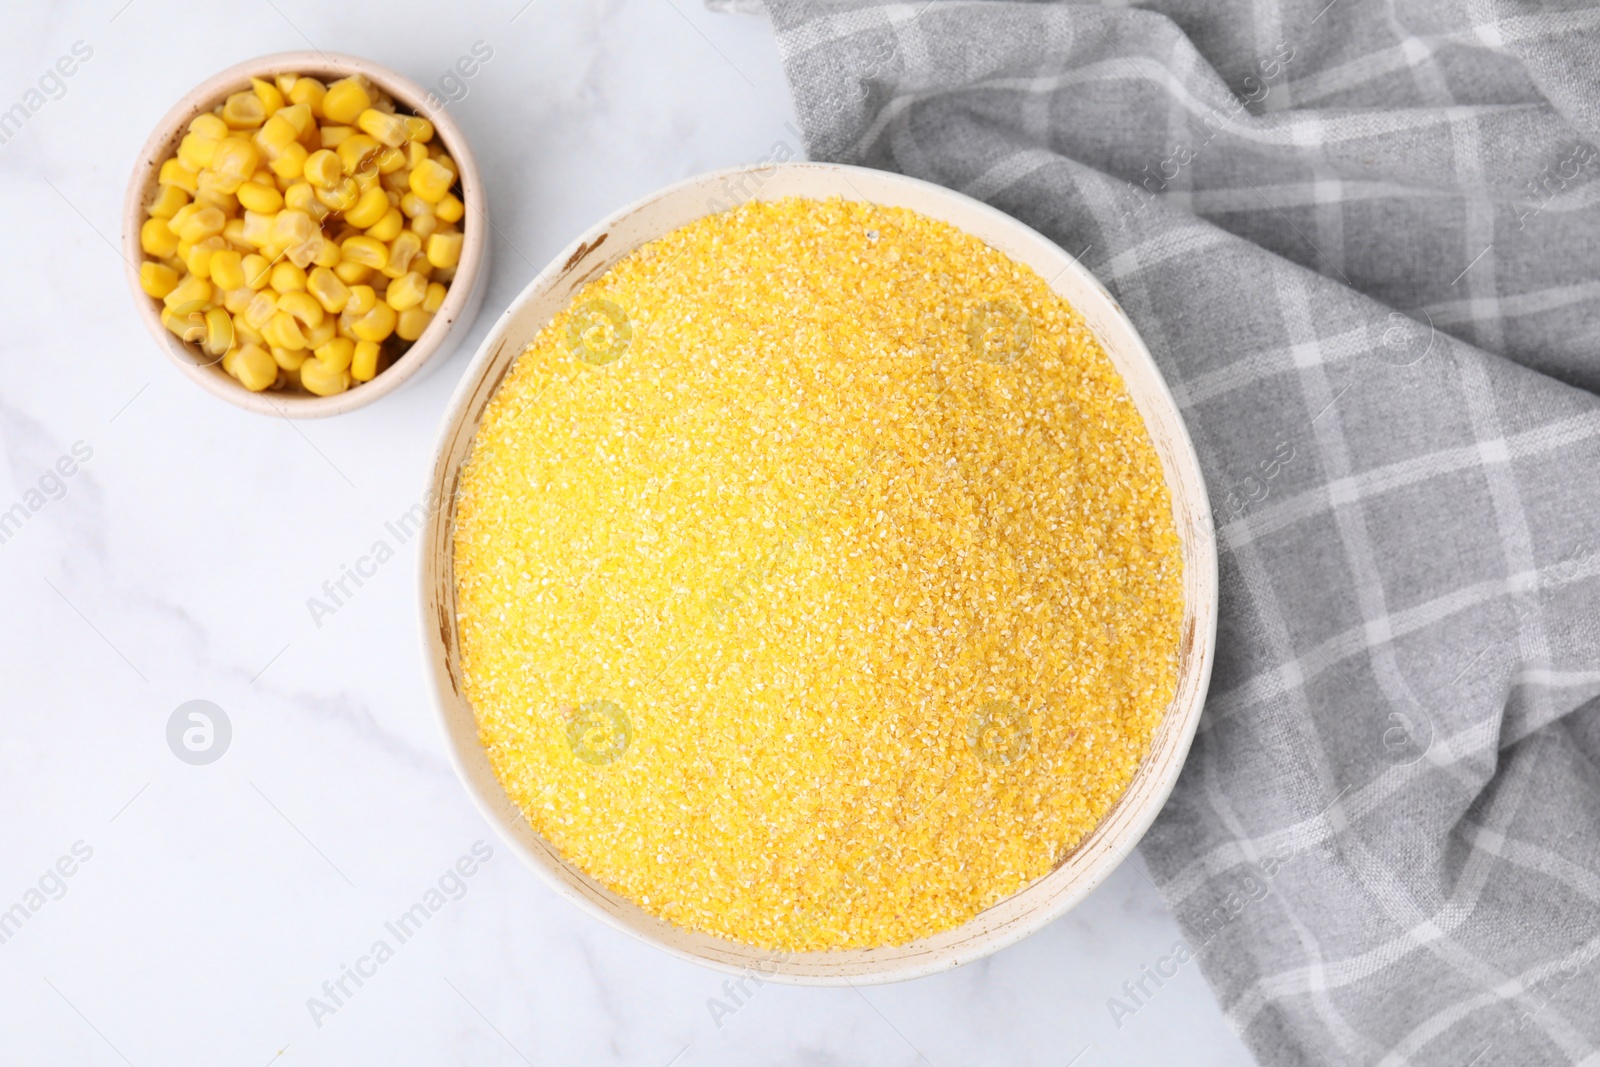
column 461, row 302
column 1123, row 830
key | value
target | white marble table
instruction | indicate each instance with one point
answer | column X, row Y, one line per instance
column 206, row 905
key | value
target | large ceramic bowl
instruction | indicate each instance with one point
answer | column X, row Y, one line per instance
column 1098, row 855
column 460, row 305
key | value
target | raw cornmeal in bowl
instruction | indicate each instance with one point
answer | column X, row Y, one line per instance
column 817, row 581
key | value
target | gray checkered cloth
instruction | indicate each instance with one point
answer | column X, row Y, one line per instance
column 1360, row 240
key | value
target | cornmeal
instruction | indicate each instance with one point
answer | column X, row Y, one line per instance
column 817, row 580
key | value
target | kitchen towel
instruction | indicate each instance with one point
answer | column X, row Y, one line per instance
column 1360, row 239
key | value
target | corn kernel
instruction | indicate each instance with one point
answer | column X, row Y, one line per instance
column 306, row 252
column 261, row 310
column 157, row 279
column 372, row 206
column 329, row 291
column 337, row 353
column 322, row 332
column 264, row 199
column 253, row 366
column 411, row 323
column 195, row 152
column 282, row 330
column 198, row 257
column 413, row 206
column 450, row 208
column 444, row 249
column 406, row 291
column 386, row 129
column 169, row 198
column 286, row 278
column 362, row 299
column 290, row 227
column 431, row 181
column 416, row 152
column 289, row 358
column 290, row 163
column 190, row 291
column 174, row 173
column 366, row 251
column 420, row 129
column 345, row 101
column 334, row 136
column 375, row 325
column 276, row 135
column 323, row 168
column 303, row 307
column 270, row 95
column 243, row 111
column 227, row 269
column 302, row 196
column 341, row 196
column 209, row 126
column 402, row 250
column 157, row 239
column 219, row 332
column 352, row 273
column 257, row 270
column 364, row 361
column 298, row 115
column 435, row 298
column 323, row 380
column 310, row 93
column 389, row 226
column 356, row 152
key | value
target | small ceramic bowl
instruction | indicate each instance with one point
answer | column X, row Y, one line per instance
column 460, row 304
column 1097, row 855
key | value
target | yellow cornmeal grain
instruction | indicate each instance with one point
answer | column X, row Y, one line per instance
column 817, row 580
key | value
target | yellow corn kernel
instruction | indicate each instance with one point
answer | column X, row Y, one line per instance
column 227, row 269
column 186, row 326
column 209, row 126
column 303, row 307
column 337, row 353
column 424, row 226
column 190, row 291
column 270, row 95
column 287, row 278
column 444, row 249
column 233, row 233
column 413, row 206
column 291, row 226
column 199, row 224
column 329, row 291
column 398, row 182
column 323, row 380
column 219, row 332
column 198, row 257
column 310, row 93
column 276, row 135
column 236, row 300
column 366, row 251
column 157, row 238
column 299, row 116
column 334, row 136
column 341, row 196
column 289, row 358
column 389, row 226
column 216, row 190
column 386, row 129
column 322, row 332
column 167, row 202
column 263, row 306
column 328, row 255
column 306, row 252
column 301, row 196
column 264, row 199
column 351, row 273
column 431, row 181
column 362, row 299
column 364, row 360
column 406, row 291
column 420, row 128
column 372, row 206
column 195, row 152
column 285, row 82
column 375, row 325
column 253, row 366
column 157, row 279
column 411, row 324
column 323, row 168
column 416, row 152
column 175, row 174
column 450, row 208
column 435, row 298
column 402, row 250
column 233, row 162
column 257, row 270
column 283, row 331
column 243, row 111
column 390, row 160
column 257, row 228
column 356, row 151
column 290, row 163
column 346, row 99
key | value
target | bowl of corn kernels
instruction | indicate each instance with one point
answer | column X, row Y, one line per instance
column 303, row 233
column 820, row 584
